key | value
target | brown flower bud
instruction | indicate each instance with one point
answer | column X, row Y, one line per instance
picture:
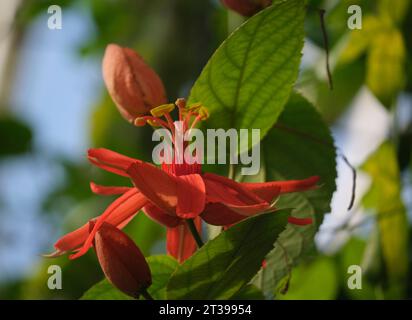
column 122, row 261
column 133, row 85
column 247, row 8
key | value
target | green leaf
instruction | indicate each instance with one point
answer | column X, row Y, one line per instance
column 161, row 266
column 384, row 45
column 299, row 134
column 372, row 260
column 394, row 11
column 347, row 79
column 359, row 40
column 385, row 63
column 104, row 290
column 384, row 197
column 249, row 292
column 353, row 253
column 317, row 280
column 247, row 81
column 225, row 264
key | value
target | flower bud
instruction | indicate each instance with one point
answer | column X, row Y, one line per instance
column 122, row 261
column 247, row 8
column 134, row 87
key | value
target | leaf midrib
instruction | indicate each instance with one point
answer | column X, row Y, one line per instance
column 210, row 291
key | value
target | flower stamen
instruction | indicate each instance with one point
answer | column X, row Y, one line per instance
column 161, row 110
column 164, row 111
column 181, row 105
column 153, row 121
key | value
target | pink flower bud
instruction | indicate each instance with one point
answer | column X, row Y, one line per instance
column 134, row 87
column 247, row 8
column 122, row 261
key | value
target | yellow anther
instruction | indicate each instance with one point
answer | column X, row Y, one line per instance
column 181, row 103
column 197, row 109
column 139, row 122
column 195, row 106
column 162, row 109
column 153, row 123
column 200, row 109
column 203, row 113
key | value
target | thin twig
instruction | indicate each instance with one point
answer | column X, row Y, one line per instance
column 325, row 45
column 352, row 198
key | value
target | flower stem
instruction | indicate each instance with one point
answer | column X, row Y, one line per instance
column 231, row 173
column 146, row 295
column 193, row 231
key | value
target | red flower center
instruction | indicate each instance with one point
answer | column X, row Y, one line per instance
column 181, row 169
column 189, row 117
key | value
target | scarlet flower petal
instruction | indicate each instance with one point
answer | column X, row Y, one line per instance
column 222, row 189
column 127, row 208
column 161, row 216
column 300, row 221
column 133, row 85
column 233, row 195
column 219, row 215
column 191, row 195
column 270, row 190
column 107, row 191
column 118, row 214
column 159, row 187
column 121, row 260
column 71, row 241
column 179, row 241
column 110, row 161
column 249, row 210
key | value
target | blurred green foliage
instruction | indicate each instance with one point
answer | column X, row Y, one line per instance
column 321, row 270
column 384, row 197
column 177, row 37
column 15, row 137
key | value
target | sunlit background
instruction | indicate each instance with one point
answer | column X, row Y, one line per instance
column 53, row 106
